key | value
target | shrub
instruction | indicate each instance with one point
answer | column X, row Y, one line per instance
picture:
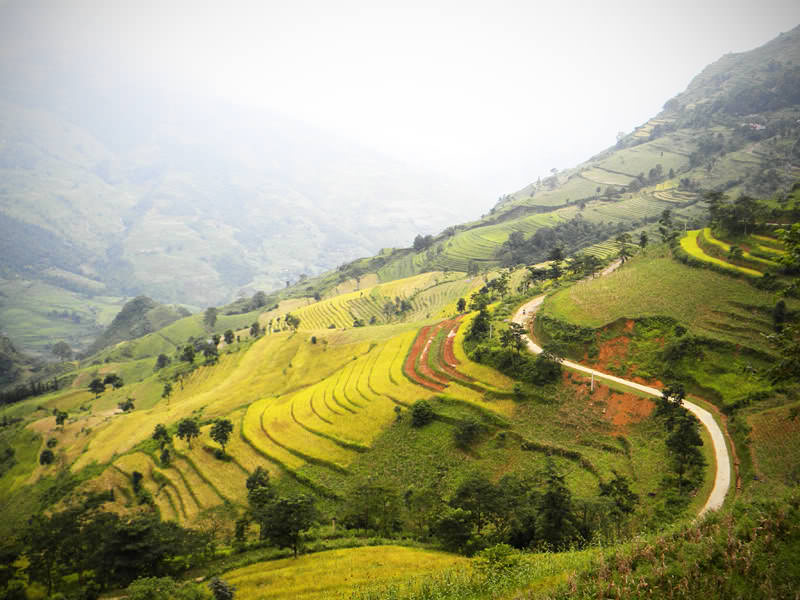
column 46, row 457
column 421, row 413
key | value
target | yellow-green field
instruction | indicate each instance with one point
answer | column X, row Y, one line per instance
column 337, row 573
column 690, row 245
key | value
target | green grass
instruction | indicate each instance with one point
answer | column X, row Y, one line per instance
column 708, row 303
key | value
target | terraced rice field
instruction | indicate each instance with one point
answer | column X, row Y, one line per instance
column 605, row 177
column 690, row 244
column 709, row 237
column 427, row 293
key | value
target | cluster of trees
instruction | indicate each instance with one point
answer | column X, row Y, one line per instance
column 422, row 242
column 735, row 218
column 524, row 512
column 505, row 352
column 86, row 549
column 28, row 390
column 97, row 386
column 570, row 236
column 653, row 176
column 683, row 440
column 281, row 520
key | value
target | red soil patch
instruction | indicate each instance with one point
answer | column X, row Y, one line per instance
column 423, row 367
column 409, row 367
column 446, row 360
column 618, row 409
column 449, row 356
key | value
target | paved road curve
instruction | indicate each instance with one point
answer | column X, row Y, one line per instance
column 722, row 481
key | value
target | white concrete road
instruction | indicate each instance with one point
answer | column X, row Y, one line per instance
column 722, row 480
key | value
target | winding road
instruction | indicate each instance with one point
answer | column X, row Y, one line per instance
column 722, row 480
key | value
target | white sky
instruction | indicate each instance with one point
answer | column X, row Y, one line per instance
column 494, row 93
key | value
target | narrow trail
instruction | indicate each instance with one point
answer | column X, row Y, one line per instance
column 722, row 479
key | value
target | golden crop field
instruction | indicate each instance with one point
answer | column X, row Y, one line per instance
column 328, row 574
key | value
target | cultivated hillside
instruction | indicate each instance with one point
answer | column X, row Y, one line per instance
column 394, row 402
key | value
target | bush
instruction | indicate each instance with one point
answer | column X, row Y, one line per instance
column 421, row 413
column 467, row 433
column 46, row 457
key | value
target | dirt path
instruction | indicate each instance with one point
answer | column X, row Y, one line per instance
column 722, row 480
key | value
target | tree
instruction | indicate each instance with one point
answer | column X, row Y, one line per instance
column 791, row 242
column 221, row 432
column 114, row 381
column 221, row 590
column 556, row 254
column 623, row 499
column 461, row 305
column 188, row 430
column 188, row 353
column 421, row 413
column 373, row 506
column 167, row 391
column 684, row 443
column 61, row 417
column 255, row 329
column 228, row 336
column 46, row 457
column 126, row 406
column 210, row 317
column 259, row 299
column 292, row 321
column 97, row 387
column 286, row 518
column 665, row 226
column 467, row 433
column 623, row 239
column 162, row 361
column 454, row 528
column 62, row 350
column 513, row 336
column 643, row 239
column 555, row 509
column 161, row 435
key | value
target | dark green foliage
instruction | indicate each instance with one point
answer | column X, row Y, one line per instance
column 188, row 430
column 113, row 380
column 46, row 457
column 557, row 522
column 188, row 353
column 161, row 435
column 127, row 405
column 220, row 589
column 221, row 432
column 467, row 433
column 286, row 518
column 97, row 387
column 479, row 329
column 61, row 417
column 623, row 499
column 421, row 413
column 461, row 305
column 229, row 336
column 374, row 507
column 260, row 496
column 453, row 527
column 556, row 242
column 210, row 317
column 162, row 361
column 255, row 329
